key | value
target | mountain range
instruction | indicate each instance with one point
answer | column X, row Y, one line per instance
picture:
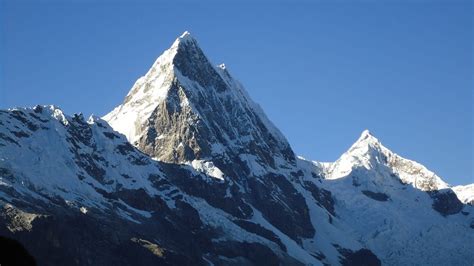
column 188, row 170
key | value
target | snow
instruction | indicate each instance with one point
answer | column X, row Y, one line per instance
column 238, row 92
column 131, row 117
column 58, row 114
column 405, row 229
column 186, row 36
column 293, row 249
column 369, row 153
column 359, row 222
column 83, row 210
column 126, row 215
column 45, row 166
column 33, row 159
column 147, row 92
column 219, row 219
column 465, row 193
column 183, row 38
column 402, row 230
column 5, row 183
column 326, row 231
column 143, row 213
column 256, row 169
column 208, row 168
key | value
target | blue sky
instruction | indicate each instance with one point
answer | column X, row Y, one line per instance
column 322, row 72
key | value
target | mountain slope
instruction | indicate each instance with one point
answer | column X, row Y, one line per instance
column 402, row 211
column 61, row 175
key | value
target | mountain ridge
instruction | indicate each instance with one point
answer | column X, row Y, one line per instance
column 190, row 171
column 368, row 151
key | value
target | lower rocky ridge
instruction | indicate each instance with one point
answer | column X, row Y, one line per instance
column 75, row 192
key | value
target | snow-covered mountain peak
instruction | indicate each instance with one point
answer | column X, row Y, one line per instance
column 186, row 108
column 365, row 133
column 186, row 36
column 152, row 89
column 367, row 136
column 365, row 145
column 185, row 41
column 368, row 154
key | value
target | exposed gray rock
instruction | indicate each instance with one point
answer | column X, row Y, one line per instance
column 376, row 195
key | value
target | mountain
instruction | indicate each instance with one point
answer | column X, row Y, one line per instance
column 185, row 109
column 399, row 209
column 369, row 154
column 188, row 170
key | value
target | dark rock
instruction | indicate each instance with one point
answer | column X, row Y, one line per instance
column 277, row 193
column 139, row 199
column 7, row 138
column 125, row 148
column 14, row 254
column 188, row 213
column 38, row 118
column 362, row 257
column 38, row 109
column 376, row 195
column 355, row 181
column 110, row 135
column 20, row 116
column 86, row 162
column 254, row 253
column 321, row 196
column 261, row 231
column 445, row 202
column 214, row 193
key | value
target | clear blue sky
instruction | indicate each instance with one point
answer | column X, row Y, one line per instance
column 322, row 72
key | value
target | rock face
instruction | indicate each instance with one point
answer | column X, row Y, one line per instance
column 188, row 170
column 186, row 109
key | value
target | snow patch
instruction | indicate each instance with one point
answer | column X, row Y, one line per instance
column 208, row 168
column 84, row 210
column 465, row 193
